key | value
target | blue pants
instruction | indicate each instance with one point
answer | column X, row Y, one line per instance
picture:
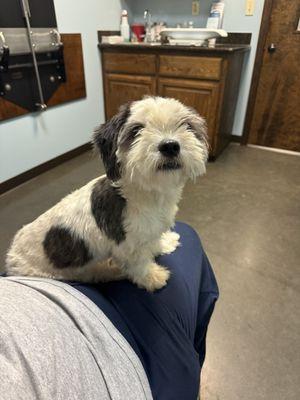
column 167, row 328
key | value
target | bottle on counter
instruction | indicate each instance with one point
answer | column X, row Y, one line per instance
column 124, row 26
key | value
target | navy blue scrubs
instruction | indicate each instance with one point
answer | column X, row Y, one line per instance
column 167, row 328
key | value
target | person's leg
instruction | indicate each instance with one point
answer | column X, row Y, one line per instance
column 166, row 328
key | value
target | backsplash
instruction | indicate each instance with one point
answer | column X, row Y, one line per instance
column 171, row 12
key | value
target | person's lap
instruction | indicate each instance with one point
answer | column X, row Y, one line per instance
column 167, row 328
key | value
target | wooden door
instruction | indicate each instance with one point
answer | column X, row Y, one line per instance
column 121, row 88
column 201, row 95
column 273, row 117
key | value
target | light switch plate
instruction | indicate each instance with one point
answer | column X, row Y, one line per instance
column 250, row 4
column 195, row 7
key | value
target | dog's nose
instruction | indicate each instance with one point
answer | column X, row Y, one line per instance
column 169, row 148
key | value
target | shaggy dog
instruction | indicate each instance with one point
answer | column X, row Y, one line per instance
column 114, row 226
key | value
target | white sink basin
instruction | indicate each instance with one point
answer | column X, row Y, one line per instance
column 195, row 36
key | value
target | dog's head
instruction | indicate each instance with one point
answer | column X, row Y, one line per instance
column 152, row 141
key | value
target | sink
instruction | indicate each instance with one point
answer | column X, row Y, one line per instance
column 188, row 36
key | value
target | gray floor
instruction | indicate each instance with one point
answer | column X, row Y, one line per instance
column 247, row 211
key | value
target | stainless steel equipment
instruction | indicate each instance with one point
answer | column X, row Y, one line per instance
column 31, row 53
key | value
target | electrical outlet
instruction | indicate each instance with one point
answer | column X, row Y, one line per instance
column 250, row 7
column 196, row 7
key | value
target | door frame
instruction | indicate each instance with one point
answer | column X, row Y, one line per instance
column 263, row 33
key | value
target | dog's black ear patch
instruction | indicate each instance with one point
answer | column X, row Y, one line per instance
column 107, row 207
column 64, row 249
column 106, row 138
column 197, row 125
column 129, row 135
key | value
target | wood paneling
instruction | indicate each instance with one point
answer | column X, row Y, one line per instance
column 10, row 110
column 121, row 88
column 190, row 67
column 200, row 95
column 130, row 63
column 73, row 89
column 273, row 116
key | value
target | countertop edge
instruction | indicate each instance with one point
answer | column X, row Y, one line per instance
column 193, row 49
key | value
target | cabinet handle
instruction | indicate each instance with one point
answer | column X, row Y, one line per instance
column 272, row 48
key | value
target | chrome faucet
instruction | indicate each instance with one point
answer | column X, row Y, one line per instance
column 147, row 18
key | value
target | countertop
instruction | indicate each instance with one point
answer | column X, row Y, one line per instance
column 219, row 48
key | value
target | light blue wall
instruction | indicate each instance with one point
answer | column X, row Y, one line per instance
column 31, row 140
column 234, row 21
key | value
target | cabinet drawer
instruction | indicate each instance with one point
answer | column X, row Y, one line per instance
column 191, row 67
column 129, row 63
column 121, row 88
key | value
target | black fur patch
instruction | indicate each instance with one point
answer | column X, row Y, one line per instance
column 129, row 135
column 106, row 139
column 64, row 249
column 107, row 208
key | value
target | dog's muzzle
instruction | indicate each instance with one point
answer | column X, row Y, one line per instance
column 169, row 148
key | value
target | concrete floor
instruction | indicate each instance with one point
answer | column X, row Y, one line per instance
column 247, row 212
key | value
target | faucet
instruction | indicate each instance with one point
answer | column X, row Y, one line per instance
column 147, row 18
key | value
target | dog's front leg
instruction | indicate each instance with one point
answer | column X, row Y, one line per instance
column 142, row 270
column 148, row 274
column 168, row 243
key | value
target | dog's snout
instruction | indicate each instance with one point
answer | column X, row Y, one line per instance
column 169, row 148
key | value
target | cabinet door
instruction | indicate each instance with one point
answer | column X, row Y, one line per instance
column 121, row 88
column 203, row 96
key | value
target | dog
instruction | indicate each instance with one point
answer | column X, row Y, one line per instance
column 113, row 227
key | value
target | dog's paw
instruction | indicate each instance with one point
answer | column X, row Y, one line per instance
column 156, row 278
column 169, row 242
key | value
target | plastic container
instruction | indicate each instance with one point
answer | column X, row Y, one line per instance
column 215, row 20
column 124, row 26
column 138, row 31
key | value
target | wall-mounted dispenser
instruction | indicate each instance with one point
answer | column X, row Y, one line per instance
column 33, row 56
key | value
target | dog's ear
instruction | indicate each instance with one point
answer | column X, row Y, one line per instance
column 106, row 141
column 198, row 126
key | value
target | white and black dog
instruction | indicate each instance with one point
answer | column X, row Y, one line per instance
column 114, row 226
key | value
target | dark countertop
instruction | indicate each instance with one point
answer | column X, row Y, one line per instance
column 219, row 48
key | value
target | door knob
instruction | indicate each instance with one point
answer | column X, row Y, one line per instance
column 271, row 48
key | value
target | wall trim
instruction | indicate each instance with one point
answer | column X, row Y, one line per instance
column 236, row 138
column 39, row 169
column 263, row 33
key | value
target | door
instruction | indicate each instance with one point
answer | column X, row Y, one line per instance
column 273, row 117
column 201, row 95
column 121, row 88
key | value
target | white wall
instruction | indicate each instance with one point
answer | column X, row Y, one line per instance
column 31, row 140
column 178, row 11
column 236, row 21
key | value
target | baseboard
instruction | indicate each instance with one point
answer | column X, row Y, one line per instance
column 33, row 172
column 236, row 139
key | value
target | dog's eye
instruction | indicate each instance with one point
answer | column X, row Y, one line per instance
column 187, row 125
column 136, row 129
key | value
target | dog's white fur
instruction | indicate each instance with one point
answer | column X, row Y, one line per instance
column 151, row 194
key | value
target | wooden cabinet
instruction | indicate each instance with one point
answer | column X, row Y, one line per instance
column 121, row 88
column 206, row 80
